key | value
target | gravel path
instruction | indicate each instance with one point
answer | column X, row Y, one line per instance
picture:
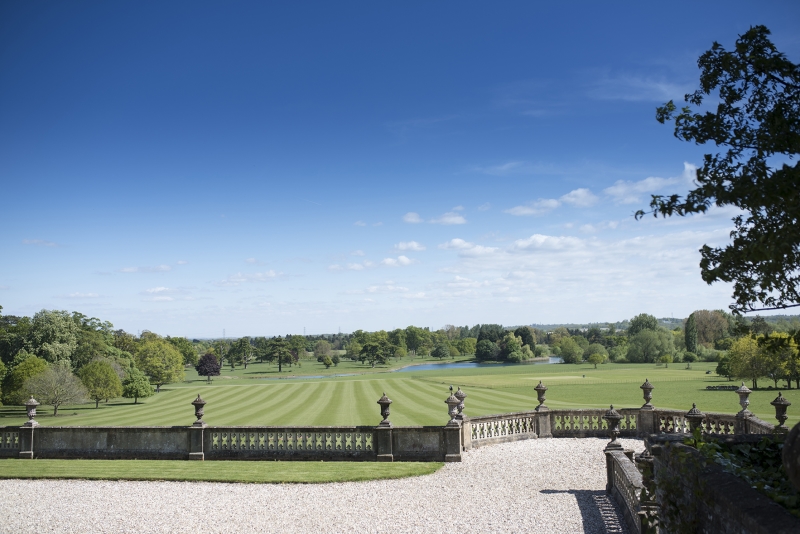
column 546, row 486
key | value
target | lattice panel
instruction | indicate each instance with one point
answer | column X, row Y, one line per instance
column 292, row 441
column 717, row 426
column 578, row 422
column 673, row 424
column 503, row 427
column 9, row 440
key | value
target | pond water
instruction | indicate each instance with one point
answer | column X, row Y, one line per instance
column 470, row 365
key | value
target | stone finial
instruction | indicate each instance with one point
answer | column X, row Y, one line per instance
column 540, row 390
column 30, row 407
column 199, row 403
column 744, row 401
column 460, row 395
column 613, row 418
column 647, row 390
column 452, row 408
column 780, row 403
column 695, row 417
column 385, row 401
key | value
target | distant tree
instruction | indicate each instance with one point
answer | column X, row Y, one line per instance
column 711, row 326
column 353, row 350
column 377, row 352
column 723, row 366
column 595, row 349
column 492, row 332
column 746, row 360
column 618, row 353
column 641, row 322
column 57, row 386
column 241, row 351
column 689, row 357
column 3, row 371
column 595, row 358
column 335, row 359
column 159, row 360
column 321, row 349
column 399, row 353
column 760, row 327
column 397, row 338
column 647, row 346
column 101, row 381
column 416, row 338
column 594, row 335
column 441, row 351
column 511, row 348
column 486, row 350
column 326, row 360
column 571, row 352
column 53, row 335
column 666, row 359
column 525, row 333
column 186, row 349
column 690, row 334
column 24, row 367
column 136, row 385
column 208, row 366
column 278, row 351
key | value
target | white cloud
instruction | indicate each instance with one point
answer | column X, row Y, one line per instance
column 157, row 290
column 451, row 217
column 409, row 245
column 388, row 287
column 39, row 243
column 465, row 248
column 357, row 253
column 412, row 218
column 360, row 223
column 183, row 262
column 355, row 266
column 458, row 208
column 396, row 262
column 582, row 198
column 243, row 278
column 625, row 192
column 377, row 224
column 251, row 260
column 484, row 207
column 537, row 207
column 155, row 269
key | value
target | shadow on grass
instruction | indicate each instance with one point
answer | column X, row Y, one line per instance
column 596, row 509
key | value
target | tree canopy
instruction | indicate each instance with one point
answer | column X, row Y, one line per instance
column 101, row 381
column 757, row 118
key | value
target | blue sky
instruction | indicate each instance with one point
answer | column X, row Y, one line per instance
column 185, row 167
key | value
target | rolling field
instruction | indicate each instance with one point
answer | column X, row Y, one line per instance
column 240, row 399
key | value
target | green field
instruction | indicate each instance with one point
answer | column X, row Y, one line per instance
column 214, row 471
column 255, row 397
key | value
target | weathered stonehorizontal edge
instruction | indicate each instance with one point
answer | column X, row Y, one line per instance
column 503, row 439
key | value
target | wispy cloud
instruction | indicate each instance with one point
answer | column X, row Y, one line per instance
column 39, row 243
column 451, row 217
column 412, row 218
column 537, row 207
column 465, row 248
column 244, row 278
column 154, row 269
column 484, row 207
column 582, row 198
column 357, row 253
column 359, row 223
column 397, row 262
column 183, row 262
column 409, row 245
column 80, row 296
column 251, row 260
column 626, row 192
column 637, row 89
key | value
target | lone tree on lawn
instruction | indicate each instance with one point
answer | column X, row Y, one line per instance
column 136, row 385
column 101, row 381
column 160, row 361
column 757, row 118
column 208, row 366
column 57, row 386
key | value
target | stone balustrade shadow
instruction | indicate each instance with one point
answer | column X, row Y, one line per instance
column 598, row 512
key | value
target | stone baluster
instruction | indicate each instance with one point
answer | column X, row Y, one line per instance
column 780, row 403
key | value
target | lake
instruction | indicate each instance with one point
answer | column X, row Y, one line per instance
column 469, row 365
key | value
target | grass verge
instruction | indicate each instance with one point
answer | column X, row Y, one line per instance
column 214, row 471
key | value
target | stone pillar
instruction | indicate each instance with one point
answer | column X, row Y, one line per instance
column 648, row 419
column 196, row 438
column 543, row 427
column 466, row 433
column 609, row 471
column 452, row 442
column 383, row 439
column 26, row 441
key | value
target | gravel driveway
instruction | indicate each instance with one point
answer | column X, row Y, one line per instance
column 543, row 486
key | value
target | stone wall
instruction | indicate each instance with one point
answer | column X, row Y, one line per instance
column 694, row 495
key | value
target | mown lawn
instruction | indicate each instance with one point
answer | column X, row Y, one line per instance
column 214, row 471
column 418, row 396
